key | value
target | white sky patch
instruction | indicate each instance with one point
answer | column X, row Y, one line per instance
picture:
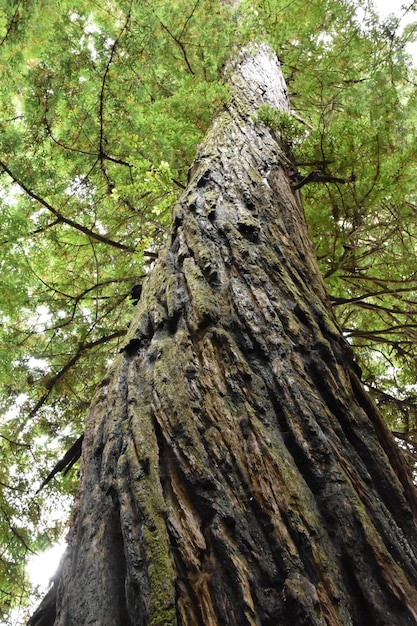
column 387, row 8
column 10, row 194
column 37, row 214
column 91, row 29
column 42, row 318
column 80, row 188
column 41, row 568
column 38, row 364
column 13, row 411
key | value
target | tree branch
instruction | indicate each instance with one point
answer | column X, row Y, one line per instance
column 319, row 177
column 180, row 45
column 61, row 218
column 102, row 152
column 51, row 381
column 65, row 463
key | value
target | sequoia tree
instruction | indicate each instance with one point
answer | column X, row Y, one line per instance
column 234, row 470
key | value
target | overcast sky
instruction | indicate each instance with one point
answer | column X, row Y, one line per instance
column 389, row 7
column 385, row 7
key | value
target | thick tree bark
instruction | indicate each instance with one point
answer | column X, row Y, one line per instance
column 234, row 471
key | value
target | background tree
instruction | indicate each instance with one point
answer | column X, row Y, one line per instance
column 102, row 112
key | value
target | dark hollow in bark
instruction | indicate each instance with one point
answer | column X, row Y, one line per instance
column 234, row 471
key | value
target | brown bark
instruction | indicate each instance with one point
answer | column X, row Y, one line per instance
column 234, row 471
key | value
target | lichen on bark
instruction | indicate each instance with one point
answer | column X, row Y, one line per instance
column 234, row 470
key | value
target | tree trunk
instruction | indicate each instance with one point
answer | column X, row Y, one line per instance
column 234, row 471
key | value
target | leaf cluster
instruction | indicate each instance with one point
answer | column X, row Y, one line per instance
column 291, row 131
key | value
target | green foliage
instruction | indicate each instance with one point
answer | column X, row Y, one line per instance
column 102, row 106
column 290, row 129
